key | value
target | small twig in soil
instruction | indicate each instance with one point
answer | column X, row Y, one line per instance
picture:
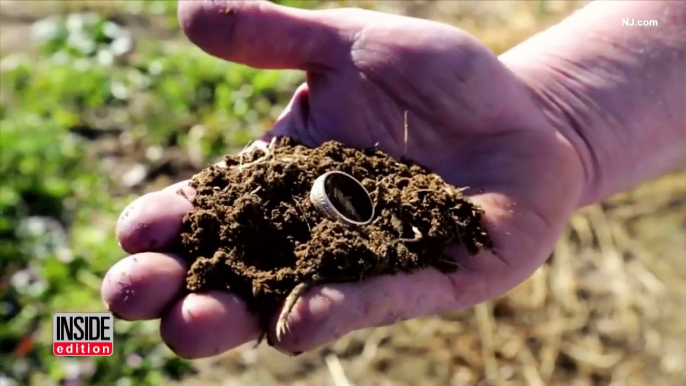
column 267, row 149
column 456, row 190
column 257, row 189
column 289, row 159
column 406, row 132
column 242, row 153
column 459, row 237
column 296, row 293
column 303, row 213
column 417, row 235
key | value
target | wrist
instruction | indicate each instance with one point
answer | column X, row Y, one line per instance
column 615, row 93
column 553, row 95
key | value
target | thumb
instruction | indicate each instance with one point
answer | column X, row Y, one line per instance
column 269, row 36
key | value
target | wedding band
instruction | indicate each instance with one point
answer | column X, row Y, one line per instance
column 341, row 197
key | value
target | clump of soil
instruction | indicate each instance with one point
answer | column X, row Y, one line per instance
column 255, row 232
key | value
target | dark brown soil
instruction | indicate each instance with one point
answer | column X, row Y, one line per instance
column 254, row 231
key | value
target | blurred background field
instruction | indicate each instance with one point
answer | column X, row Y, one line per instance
column 103, row 100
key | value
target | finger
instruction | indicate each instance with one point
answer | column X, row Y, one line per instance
column 203, row 325
column 152, row 222
column 140, row 287
column 265, row 35
column 328, row 312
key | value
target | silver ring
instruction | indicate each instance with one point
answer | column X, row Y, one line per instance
column 340, row 196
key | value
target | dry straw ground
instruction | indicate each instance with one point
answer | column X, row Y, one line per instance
column 609, row 308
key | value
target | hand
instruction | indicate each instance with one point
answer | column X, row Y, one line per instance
column 471, row 120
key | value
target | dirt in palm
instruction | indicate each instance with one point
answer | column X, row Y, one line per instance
column 255, row 232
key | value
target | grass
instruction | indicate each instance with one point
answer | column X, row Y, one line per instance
column 100, row 109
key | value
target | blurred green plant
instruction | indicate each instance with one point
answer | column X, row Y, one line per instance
column 88, row 87
column 82, row 35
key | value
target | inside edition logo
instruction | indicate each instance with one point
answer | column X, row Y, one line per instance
column 82, row 334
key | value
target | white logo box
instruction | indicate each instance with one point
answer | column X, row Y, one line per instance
column 82, row 333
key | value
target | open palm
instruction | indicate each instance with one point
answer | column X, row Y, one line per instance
column 470, row 119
